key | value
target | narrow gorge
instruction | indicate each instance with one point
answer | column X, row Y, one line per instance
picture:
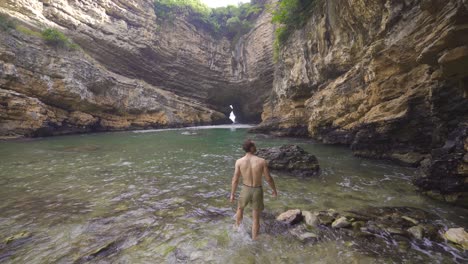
column 387, row 78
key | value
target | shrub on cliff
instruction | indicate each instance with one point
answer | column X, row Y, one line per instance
column 289, row 15
column 6, row 23
column 54, row 37
column 230, row 21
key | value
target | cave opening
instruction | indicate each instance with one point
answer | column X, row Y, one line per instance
column 232, row 116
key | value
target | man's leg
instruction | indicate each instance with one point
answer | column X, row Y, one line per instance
column 239, row 216
column 255, row 223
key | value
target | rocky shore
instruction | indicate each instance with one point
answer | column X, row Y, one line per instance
column 376, row 230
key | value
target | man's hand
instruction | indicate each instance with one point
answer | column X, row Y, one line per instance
column 232, row 198
column 274, row 194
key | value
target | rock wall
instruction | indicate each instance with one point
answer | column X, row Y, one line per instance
column 132, row 71
column 387, row 78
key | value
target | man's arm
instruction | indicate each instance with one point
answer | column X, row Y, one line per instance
column 269, row 179
column 235, row 181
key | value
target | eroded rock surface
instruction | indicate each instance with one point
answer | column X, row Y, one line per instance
column 132, row 70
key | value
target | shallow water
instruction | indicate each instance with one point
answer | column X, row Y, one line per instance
column 161, row 196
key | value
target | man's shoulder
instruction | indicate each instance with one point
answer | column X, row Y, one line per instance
column 260, row 159
column 240, row 160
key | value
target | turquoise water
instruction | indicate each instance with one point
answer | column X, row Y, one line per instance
column 162, row 197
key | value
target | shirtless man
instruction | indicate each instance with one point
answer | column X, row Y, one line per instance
column 251, row 168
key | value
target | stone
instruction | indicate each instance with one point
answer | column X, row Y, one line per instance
column 290, row 217
column 411, row 220
column 325, row 219
column 16, row 237
column 310, row 218
column 291, row 159
column 307, row 235
column 357, row 225
column 196, row 255
column 341, row 222
column 416, row 232
column 458, row 236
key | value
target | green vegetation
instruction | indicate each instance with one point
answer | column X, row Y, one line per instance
column 55, row 38
column 6, row 23
column 289, row 15
column 230, row 21
column 28, row 31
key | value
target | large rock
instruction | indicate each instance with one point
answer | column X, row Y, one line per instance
column 290, row 217
column 291, row 159
column 341, row 222
column 310, row 218
column 458, row 236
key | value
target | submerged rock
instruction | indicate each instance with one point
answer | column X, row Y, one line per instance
column 416, row 231
column 341, row 222
column 290, row 217
column 17, row 237
column 458, row 236
column 291, row 159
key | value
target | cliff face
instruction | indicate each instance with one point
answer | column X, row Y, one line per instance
column 131, row 72
column 387, row 78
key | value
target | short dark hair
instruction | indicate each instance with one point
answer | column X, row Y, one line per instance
column 248, row 144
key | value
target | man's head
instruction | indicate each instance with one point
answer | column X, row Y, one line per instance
column 249, row 146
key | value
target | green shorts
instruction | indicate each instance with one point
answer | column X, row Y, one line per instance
column 252, row 195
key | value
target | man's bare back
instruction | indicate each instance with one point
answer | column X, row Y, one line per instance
column 251, row 168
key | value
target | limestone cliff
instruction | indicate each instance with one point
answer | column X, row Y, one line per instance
column 389, row 78
column 130, row 72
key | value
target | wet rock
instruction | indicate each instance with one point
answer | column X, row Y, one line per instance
column 411, row 220
column 310, row 218
column 458, row 236
column 416, row 232
column 104, row 250
column 341, row 222
column 358, row 224
column 301, row 233
column 196, row 255
column 325, row 219
column 445, row 175
column 291, row 159
column 290, row 217
column 17, row 237
column 395, row 231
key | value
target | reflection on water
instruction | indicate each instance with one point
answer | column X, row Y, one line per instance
column 162, row 196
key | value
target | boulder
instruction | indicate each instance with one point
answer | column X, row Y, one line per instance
column 291, row 159
column 302, row 233
column 341, row 222
column 290, row 217
column 458, row 236
column 416, row 232
column 325, row 219
column 310, row 218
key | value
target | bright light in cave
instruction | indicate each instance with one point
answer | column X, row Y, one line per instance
column 218, row 3
column 232, row 116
